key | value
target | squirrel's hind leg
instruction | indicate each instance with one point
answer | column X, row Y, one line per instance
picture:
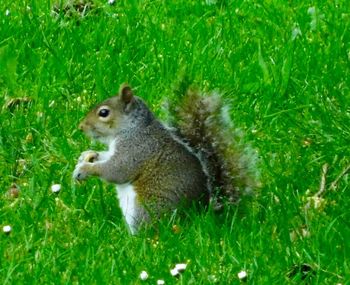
column 134, row 214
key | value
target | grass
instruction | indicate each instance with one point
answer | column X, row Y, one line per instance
column 283, row 68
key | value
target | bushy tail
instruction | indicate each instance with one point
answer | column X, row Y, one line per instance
column 203, row 121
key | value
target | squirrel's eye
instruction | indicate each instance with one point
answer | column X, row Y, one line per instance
column 103, row 113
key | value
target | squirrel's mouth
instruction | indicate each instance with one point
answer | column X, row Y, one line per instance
column 100, row 138
column 96, row 137
column 93, row 134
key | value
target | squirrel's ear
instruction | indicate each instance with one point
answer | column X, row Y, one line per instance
column 126, row 94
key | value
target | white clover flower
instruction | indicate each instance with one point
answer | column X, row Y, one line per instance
column 111, row 2
column 143, row 275
column 174, row 272
column 55, row 188
column 7, row 229
column 178, row 269
column 160, row 282
column 181, row 267
column 242, row 275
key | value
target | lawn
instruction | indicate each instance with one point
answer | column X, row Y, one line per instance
column 283, row 68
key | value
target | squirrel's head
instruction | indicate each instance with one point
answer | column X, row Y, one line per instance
column 114, row 115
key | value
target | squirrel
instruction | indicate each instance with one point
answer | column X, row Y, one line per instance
column 158, row 169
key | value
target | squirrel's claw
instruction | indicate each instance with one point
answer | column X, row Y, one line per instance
column 79, row 173
column 81, row 170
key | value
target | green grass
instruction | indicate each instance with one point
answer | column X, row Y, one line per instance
column 284, row 69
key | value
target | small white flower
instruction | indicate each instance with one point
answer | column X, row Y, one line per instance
column 181, row 267
column 143, row 275
column 111, row 2
column 174, row 272
column 7, row 229
column 7, row 12
column 56, row 188
column 160, row 282
column 242, row 275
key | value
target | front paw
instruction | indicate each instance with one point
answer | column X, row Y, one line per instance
column 80, row 171
column 88, row 156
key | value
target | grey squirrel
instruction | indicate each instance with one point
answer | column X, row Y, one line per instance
column 157, row 169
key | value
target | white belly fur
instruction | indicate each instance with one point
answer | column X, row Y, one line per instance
column 127, row 202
